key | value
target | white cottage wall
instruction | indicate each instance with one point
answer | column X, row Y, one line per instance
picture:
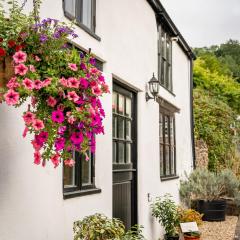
column 31, row 198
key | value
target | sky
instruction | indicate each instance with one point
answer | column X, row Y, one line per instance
column 205, row 22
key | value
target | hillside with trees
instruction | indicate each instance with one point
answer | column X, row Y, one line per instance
column 217, row 103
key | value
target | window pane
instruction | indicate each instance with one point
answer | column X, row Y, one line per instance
column 128, row 130
column 69, row 176
column 121, row 128
column 128, row 153
column 70, row 6
column 114, row 152
column 172, row 130
column 121, row 152
column 163, row 44
column 121, row 104
column 166, row 129
column 128, row 107
column 161, row 128
column 87, row 13
column 86, row 171
column 114, row 127
column 114, row 102
column 161, row 160
column 167, row 165
column 163, row 63
column 172, row 160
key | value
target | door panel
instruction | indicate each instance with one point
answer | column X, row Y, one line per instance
column 124, row 156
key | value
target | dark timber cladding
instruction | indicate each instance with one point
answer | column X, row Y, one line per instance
column 163, row 16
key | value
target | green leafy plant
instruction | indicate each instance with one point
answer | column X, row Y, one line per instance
column 205, row 185
column 100, row 227
column 135, row 233
column 166, row 212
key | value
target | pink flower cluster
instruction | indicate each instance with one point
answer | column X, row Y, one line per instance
column 65, row 112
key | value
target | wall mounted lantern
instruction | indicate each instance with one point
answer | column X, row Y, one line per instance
column 153, row 87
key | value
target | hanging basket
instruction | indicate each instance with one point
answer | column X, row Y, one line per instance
column 6, row 71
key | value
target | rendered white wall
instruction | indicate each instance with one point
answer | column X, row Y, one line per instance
column 31, row 200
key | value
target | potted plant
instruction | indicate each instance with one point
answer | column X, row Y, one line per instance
column 192, row 236
column 61, row 85
column 100, row 227
column 206, row 191
column 190, row 215
column 166, row 212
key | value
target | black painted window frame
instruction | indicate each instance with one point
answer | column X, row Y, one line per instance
column 116, row 140
column 171, row 144
column 78, row 17
column 165, row 59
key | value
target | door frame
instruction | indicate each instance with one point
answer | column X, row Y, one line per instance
column 134, row 188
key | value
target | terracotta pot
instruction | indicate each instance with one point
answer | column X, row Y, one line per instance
column 6, row 71
column 191, row 238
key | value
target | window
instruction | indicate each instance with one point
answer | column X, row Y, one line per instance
column 80, row 179
column 84, row 11
column 165, row 59
column 122, row 126
column 167, row 143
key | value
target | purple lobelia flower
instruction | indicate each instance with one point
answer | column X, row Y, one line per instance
column 43, row 38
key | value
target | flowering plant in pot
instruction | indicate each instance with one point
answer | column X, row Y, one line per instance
column 63, row 85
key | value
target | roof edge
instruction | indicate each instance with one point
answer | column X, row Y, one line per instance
column 161, row 12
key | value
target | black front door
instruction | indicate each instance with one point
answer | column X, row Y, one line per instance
column 124, row 155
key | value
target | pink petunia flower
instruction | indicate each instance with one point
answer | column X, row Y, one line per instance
column 37, row 158
column 37, row 84
column 25, row 132
column 35, row 145
column 11, row 97
column 29, row 117
column 38, row 124
column 21, row 69
column 71, row 119
column 46, row 82
column 73, row 82
column 55, row 160
column 64, row 82
column 51, row 101
column 105, row 88
column 59, row 143
column 69, row 162
column 37, row 59
column 20, row 57
column 76, row 138
column 41, row 138
column 72, row 96
column 73, row 66
column 97, row 91
column 32, row 68
column 60, row 107
column 12, row 83
column 28, row 84
column 57, row 116
column 33, row 101
column 84, row 83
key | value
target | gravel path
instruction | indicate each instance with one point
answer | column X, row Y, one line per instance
column 219, row 230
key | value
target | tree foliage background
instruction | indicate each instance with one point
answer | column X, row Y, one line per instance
column 217, row 102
